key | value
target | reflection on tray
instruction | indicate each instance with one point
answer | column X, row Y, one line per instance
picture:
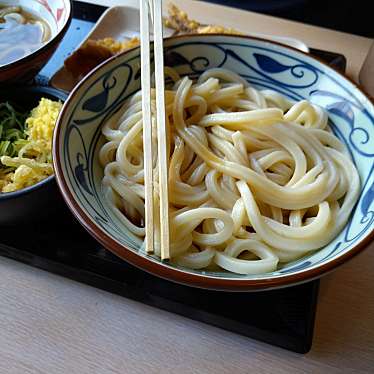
column 282, row 317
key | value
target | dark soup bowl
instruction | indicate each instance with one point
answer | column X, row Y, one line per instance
column 41, row 200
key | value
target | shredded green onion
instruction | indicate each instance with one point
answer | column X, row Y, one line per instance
column 12, row 130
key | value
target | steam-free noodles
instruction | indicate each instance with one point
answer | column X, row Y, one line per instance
column 255, row 180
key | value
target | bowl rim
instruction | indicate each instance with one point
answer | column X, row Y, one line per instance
column 55, row 39
column 59, row 94
column 24, row 191
column 184, row 276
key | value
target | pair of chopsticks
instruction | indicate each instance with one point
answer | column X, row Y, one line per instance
column 152, row 9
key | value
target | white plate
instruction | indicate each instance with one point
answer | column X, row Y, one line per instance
column 122, row 22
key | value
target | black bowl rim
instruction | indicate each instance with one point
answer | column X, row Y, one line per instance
column 183, row 276
column 56, row 39
column 59, row 94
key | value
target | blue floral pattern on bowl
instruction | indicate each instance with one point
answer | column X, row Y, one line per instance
column 265, row 66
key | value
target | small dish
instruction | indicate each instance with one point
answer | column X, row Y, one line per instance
column 122, row 22
column 57, row 14
column 32, row 203
column 265, row 65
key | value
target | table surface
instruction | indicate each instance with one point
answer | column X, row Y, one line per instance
column 50, row 324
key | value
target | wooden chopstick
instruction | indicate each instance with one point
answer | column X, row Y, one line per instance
column 161, row 129
column 154, row 8
column 147, row 124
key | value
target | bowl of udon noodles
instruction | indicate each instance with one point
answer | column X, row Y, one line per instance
column 30, row 31
column 270, row 163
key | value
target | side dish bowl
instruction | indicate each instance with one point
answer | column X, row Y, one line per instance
column 264, row 64
column 57, row 14
column 42, row 199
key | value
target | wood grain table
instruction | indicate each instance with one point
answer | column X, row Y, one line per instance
column 50, row 325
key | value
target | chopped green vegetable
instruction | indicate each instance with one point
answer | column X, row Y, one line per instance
column 12, row 130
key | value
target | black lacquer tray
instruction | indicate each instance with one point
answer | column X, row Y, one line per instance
column 282, row 317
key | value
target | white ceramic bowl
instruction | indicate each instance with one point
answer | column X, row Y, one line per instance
column 265, row 65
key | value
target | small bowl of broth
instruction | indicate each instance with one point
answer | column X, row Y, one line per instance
column 30, row 31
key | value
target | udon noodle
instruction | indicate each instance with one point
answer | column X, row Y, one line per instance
column 21, row 33
column 255, row 180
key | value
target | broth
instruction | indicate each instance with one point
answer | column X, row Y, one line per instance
column 21, row 33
